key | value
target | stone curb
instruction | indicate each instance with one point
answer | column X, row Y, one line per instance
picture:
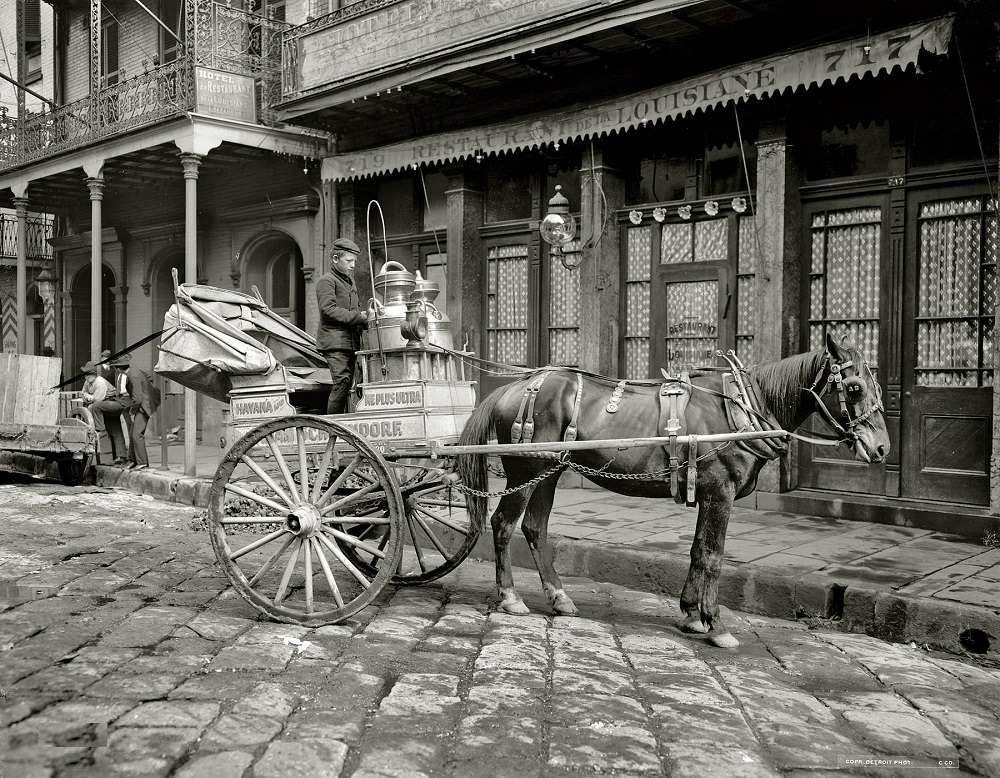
column 846, row 606
column 167, row 486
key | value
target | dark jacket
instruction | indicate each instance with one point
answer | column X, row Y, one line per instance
column 141, row 389
column 341, row 319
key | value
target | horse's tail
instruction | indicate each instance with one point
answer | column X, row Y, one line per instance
column 472, row 467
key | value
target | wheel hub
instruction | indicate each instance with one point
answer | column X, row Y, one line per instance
column 304, row 521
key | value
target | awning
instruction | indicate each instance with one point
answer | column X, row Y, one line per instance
column 827, row 64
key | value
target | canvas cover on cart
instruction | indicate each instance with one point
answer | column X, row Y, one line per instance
column 212, row 334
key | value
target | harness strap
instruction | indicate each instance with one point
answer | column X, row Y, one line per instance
column 570, row 433
column 692, row 469
column 523, row 427
column 616, row 398
column 674, row 391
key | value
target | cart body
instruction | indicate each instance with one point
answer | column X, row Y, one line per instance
column 34, row 430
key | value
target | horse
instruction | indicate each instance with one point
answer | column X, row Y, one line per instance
column 834, row 381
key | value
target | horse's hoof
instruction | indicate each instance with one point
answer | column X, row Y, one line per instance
column 694, row 623
column 724, row 640
column 515, row 608
column 563, row 605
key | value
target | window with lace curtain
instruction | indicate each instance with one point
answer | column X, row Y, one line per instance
column 957, row 292
column 844, row 285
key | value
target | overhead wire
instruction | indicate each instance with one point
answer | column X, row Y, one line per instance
column 975, row 123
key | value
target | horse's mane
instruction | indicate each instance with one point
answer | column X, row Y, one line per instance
column 781, row 382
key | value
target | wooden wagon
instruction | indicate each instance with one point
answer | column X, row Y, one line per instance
column 37, row 428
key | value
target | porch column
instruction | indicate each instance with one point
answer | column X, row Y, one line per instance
column 191, row 163
column 464, row 271
column 21, row 207
column 600, row 276
column 778, row 216
column 96, row 187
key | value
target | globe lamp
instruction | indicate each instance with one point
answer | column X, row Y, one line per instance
column 558, row 228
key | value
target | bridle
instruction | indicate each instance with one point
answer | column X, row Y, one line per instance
column 831, row 378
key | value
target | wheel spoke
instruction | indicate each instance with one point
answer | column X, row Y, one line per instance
column 307, row 551
column 334, row 589
column 324, row 469
column 252, row 520
column 356, row 542
column 442, row 520
column 433, row 538
column 287, row 575
column 358, row 518
column 279, row 460
column 269, row 563
column 263, row 476
column 351, row 498
column 257, row 543
column 338, row 482
column 416, row 546
column 300, row 435
column 345, row 561
column 257, row 498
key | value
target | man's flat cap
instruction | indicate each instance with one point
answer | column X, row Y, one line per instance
column 346, row 244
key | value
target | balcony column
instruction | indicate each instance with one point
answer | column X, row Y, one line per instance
column 96, row 186
column 21, row 208
column 191, row 163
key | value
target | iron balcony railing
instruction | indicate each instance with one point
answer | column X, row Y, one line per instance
column 39, row 230
column 225, row 39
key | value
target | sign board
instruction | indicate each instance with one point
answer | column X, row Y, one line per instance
column 226, row 95
column 833, row 62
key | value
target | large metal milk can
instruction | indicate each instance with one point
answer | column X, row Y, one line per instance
column 438, row 323
column 393, row 285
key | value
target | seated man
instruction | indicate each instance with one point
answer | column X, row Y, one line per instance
column 107, row 412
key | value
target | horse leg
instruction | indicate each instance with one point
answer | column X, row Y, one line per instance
column 700, row 596
column 504, row 520
column 536, row 531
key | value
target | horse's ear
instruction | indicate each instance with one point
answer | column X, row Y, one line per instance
column 832, row 347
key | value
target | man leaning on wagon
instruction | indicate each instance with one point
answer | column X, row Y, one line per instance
column 341, row 321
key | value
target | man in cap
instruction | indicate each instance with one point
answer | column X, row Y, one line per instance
column 96, row 389
column 110, row 410
column 341, row 321
column 143, row 398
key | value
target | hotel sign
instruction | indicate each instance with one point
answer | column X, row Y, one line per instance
column 226, row 95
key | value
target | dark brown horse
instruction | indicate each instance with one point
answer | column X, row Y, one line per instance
column 834, row 381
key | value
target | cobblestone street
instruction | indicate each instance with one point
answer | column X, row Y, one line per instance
column 124, row 653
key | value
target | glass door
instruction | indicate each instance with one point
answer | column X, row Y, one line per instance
column 951, row 299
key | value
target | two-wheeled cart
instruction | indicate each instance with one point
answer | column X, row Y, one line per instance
column 311, row 516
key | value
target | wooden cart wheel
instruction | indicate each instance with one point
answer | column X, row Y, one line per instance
column 437, row 534
column 287, row 499
column 74, row 471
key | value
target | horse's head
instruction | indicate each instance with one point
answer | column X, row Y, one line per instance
column 849, row 400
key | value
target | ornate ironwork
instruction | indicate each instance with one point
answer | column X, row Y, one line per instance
column 39, row 230
column 223, row 38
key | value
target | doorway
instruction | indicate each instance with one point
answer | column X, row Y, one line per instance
column 80, row 317
column 947, row 378
column 273, row 267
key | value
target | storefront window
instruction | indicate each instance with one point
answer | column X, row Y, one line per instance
column 957, row 295
column 844, row 281
column 638, row 248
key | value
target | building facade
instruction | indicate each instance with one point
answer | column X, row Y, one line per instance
column 740, row 181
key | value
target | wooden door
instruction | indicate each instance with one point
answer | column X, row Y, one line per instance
column 843, row 294
column 947, row 378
